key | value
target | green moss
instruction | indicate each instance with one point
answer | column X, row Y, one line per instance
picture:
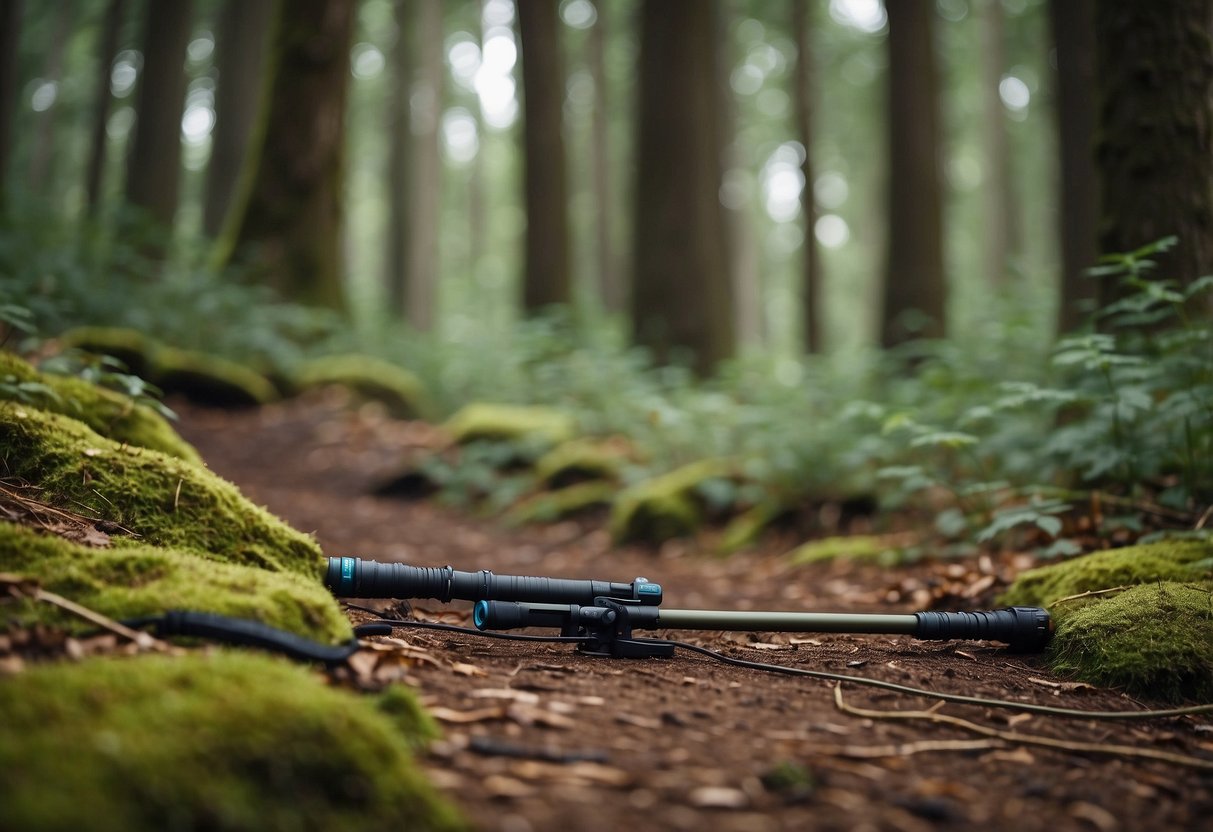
column 666, row 506
column 211, row 380
column 502, row 422
column 549, row 506
column 129, row 346
column 168, row 501
column 109, row 413
column 1165, row 561
column 1153, row 640
column 224, row 741
column 745, row 529
column 137, row 580
column 371, row 378
column 857, row 547
column 581, row 459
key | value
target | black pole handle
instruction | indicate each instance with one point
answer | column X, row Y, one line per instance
column 358, row 578
column 1023, row 629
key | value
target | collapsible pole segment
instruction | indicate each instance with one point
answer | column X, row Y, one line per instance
column 1024, row 629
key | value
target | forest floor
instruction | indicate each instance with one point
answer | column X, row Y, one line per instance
column 537, row 737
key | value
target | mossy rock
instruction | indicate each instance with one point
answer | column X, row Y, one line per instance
column 210, row 380
column 856, row 547
column 165, row 500
column 1153, row 640
column 131, row 347
column 579, row 460
column 109, row 413
column 510, row 423
column 137, row 580
column 1147, row 563
column 665, row 507
column 549, row 506
column 401, row 391
column 230, row 741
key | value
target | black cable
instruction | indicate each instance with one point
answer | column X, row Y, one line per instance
column 824, row 675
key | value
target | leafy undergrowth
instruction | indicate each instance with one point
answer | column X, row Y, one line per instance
column 220, row 741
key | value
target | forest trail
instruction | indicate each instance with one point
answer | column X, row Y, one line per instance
column 537, row 737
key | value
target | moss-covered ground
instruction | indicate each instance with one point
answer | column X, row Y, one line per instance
column 165, row 500
column 666, row 506
column 137, row 580
column 503, row 422
column 1138, row 618
column 401, row 391
column 107, row 412
column 225, row 741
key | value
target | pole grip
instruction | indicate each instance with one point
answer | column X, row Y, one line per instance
column 1023, row 629
column 358, row 578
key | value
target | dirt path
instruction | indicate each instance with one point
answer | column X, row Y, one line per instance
column 540, row 738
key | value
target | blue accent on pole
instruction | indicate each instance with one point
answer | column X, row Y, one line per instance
column 648, row 588
column 347, row 576
column 480, row 614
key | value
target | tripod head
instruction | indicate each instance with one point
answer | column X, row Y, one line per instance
column 606, row 613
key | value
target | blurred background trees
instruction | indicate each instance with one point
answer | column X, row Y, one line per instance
column 785, row 176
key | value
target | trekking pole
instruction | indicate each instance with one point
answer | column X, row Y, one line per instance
column 605, row 613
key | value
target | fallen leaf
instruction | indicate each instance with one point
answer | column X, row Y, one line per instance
column 525, row 714
column 719, row 797
column 465, row 669
column 638, row 721
column 512, row 694
column 1100, row 817
column 499, row 785
column 464, row 717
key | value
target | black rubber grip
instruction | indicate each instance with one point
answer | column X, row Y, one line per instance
column 1023, row 629
column 358, row 578
column 248, row 633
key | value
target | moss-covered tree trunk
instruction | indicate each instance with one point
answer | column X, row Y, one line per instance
column 611, row 288
column 914, row 289
column 1073, row 25
column 681, row 291
column 425, row 201
column 1154, row 65
column 546, row 279
column 241, row 49
column 287, row 229
column 153, row 174
column 811, row 282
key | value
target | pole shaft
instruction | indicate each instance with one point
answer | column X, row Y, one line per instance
column 794, row 622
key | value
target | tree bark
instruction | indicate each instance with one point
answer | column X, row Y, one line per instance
column 10, row 36
column 914, row 289
column 107, row 50
column 546, row 279
column 814, row 337
column 997, row 197
column 1154, row 64
column 153, row 175
column 420, row 294
column 611, row 290
column 289, row 227
column 43, row 156
column 241, row 52
column 681, row 296
column 399, row 147
column 1073, row 24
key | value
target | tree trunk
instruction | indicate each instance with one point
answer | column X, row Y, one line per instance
column 10, row 36
column 998, row 201
column 43, row 156
column 241, row 50
column 546, row 279
column 107, row 50
column 399, row 146
column 914, row 293
column 1155, row 68
column 680, row 298
column 420, row 295
column 289, row 228
column 153, row 175
column 610, row 281
column 1073, row 24
column 814, row 337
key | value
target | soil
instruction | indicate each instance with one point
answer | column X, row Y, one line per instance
column 538, row 737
